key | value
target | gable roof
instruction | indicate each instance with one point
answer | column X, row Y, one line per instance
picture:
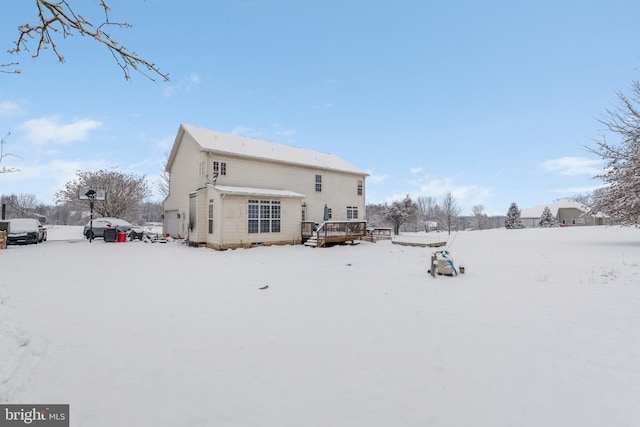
column 235, row 145
column 536, row 212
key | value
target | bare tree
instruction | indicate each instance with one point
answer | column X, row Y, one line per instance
column 162, row 183
column 450, row 211
column 376, row 214
column 620, row 196
column 3, row 168
column 23, row 205
column 58, row 19
column 124, row 192
column 428, row 208
column 26, row 203
column 479, row 217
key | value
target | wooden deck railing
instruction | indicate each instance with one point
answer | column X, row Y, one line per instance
column 334, row 231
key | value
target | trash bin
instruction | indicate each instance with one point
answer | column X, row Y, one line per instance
column 122, row 236
column 110, row 234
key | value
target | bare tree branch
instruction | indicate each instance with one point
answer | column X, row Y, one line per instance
column 4, row 169
column 58, row 17
column 620, row 197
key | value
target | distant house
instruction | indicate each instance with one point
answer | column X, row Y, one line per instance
column 567, row 212
column 229, row 191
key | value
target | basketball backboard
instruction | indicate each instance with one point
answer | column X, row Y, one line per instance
column 89, row 193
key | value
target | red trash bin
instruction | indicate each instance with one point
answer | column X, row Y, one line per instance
column 122, row 236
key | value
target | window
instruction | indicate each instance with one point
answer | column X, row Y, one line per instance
column 253, row 215
column 264, row 216
column 573, row 222
column 318, row 182
column 275, row 216
column 201, row 170
column 210, row 216
column 352, row 212
column 360, row 187
column 220, row 168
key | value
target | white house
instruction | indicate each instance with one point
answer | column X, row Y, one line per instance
column 566, row 212
column 229, row 191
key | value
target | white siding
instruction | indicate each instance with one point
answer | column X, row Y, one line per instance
column 183, row 180
column 339, row 189
column 234, row 213
column 200, row 227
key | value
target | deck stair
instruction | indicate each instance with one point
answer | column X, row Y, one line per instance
column 311, row 241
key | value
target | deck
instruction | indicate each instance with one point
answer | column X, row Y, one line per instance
column 333, row 232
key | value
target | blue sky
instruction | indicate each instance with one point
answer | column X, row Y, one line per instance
column 493, row 101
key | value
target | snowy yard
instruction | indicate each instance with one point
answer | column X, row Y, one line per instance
column 542, row 330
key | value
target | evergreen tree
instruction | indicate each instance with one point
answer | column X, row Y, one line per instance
column 546, row 219
column 513, row 217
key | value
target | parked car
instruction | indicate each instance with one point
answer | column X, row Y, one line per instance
column 99, row 224
column 26, row 230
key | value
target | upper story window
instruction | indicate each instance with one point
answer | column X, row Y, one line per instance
column 220, row 168
column 360, row 187
column 318, row 182
column 201, row 170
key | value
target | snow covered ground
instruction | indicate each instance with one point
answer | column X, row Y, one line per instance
column 542, row 330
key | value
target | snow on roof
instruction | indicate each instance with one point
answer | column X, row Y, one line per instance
column 226, row 143
column 226, row 189
column 536, row 212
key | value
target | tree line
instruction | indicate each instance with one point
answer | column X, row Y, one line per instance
column 428, row 214
column 126, row 197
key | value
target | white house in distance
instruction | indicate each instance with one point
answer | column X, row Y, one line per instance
column 566, row 212
column 229, row 191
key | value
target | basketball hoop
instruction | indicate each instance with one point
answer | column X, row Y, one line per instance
column 91, row 195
